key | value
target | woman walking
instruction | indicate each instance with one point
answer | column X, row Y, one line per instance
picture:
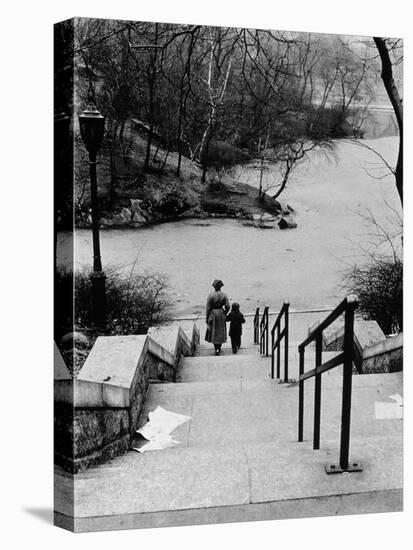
column 216, row 309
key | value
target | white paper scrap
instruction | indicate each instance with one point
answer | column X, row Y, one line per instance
column 398, row 398
column 157, row 444
column 385, row 410
column 158, row 430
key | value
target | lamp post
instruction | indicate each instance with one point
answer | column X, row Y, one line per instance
column 92, row 126
column 63, row 170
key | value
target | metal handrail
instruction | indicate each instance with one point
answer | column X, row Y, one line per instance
column 257, row 326
column 264, row 332
column 276, row 342
column 346, row 358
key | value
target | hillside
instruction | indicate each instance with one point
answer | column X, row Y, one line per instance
column 131, row 196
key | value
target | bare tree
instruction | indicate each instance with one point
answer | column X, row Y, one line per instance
column 385, row 47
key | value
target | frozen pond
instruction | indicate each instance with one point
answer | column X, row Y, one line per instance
column 304, row 265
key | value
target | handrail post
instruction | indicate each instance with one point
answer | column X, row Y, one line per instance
column 317, row 392
column 266, row 333
column 272, row 354
column 347, row 383
column 286, row 327
column 301, row 396
column 278, row 352
column 256, row 325
column 346, row 358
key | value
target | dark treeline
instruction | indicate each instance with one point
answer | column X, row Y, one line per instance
column 221, row 95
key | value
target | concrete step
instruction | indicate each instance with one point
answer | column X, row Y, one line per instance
column 248, row 410
column 228, row 367
column 239, row 451
column 208, row 350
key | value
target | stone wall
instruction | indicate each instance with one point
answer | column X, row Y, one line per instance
column 98, row 413
column 385, row 356
column 87, row 436
column 376, row 352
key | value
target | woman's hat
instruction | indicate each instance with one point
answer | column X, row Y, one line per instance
column 217, row 284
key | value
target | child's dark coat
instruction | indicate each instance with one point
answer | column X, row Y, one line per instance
column 236, row 319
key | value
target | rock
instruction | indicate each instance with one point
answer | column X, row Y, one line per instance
column 117, row 219
column 74, row 339
column 194, row 212
column 290, row 208
column 286, row 224
column 138, row 214
column 256, row 217
column 267, row 217
column 126, row 215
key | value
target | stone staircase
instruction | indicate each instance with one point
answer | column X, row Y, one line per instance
column 238, row 457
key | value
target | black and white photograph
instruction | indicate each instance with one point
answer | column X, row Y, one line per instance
column 205, row 256
column 229, row 274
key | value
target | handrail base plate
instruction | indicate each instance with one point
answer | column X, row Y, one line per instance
column 353, row 466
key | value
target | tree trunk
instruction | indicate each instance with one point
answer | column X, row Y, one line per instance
column 151, row 82
column 284, row 182
column 397, row 103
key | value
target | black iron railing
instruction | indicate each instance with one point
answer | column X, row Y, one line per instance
column 345, row 358
column 257, row 326
column 277, row 336
column 264, row 332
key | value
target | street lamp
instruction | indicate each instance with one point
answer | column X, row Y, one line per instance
column 92, row 127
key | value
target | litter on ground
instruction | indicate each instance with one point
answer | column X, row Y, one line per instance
column 161, row 423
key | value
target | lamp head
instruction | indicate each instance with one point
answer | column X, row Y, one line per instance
column 92, row 125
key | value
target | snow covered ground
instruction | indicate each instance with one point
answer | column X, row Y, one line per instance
column 331, row 196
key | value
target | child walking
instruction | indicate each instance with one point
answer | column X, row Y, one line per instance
column 235, row 318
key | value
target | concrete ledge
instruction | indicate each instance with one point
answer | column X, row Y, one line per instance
column 366, row 333
column 378, row 353
column 97, row 413
column 114, row 359
column 370, row 502
column 159, row 351
column 169, row 342
column 384, row 356
column 61, row 372
column 390, row 344
column 195, row 338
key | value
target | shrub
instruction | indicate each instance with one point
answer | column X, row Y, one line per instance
column 379, row 286
column 217, row 206
column 133, row 303
column 330, row 122
column 221, row 154
column 172, row 204
column 172, row 199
